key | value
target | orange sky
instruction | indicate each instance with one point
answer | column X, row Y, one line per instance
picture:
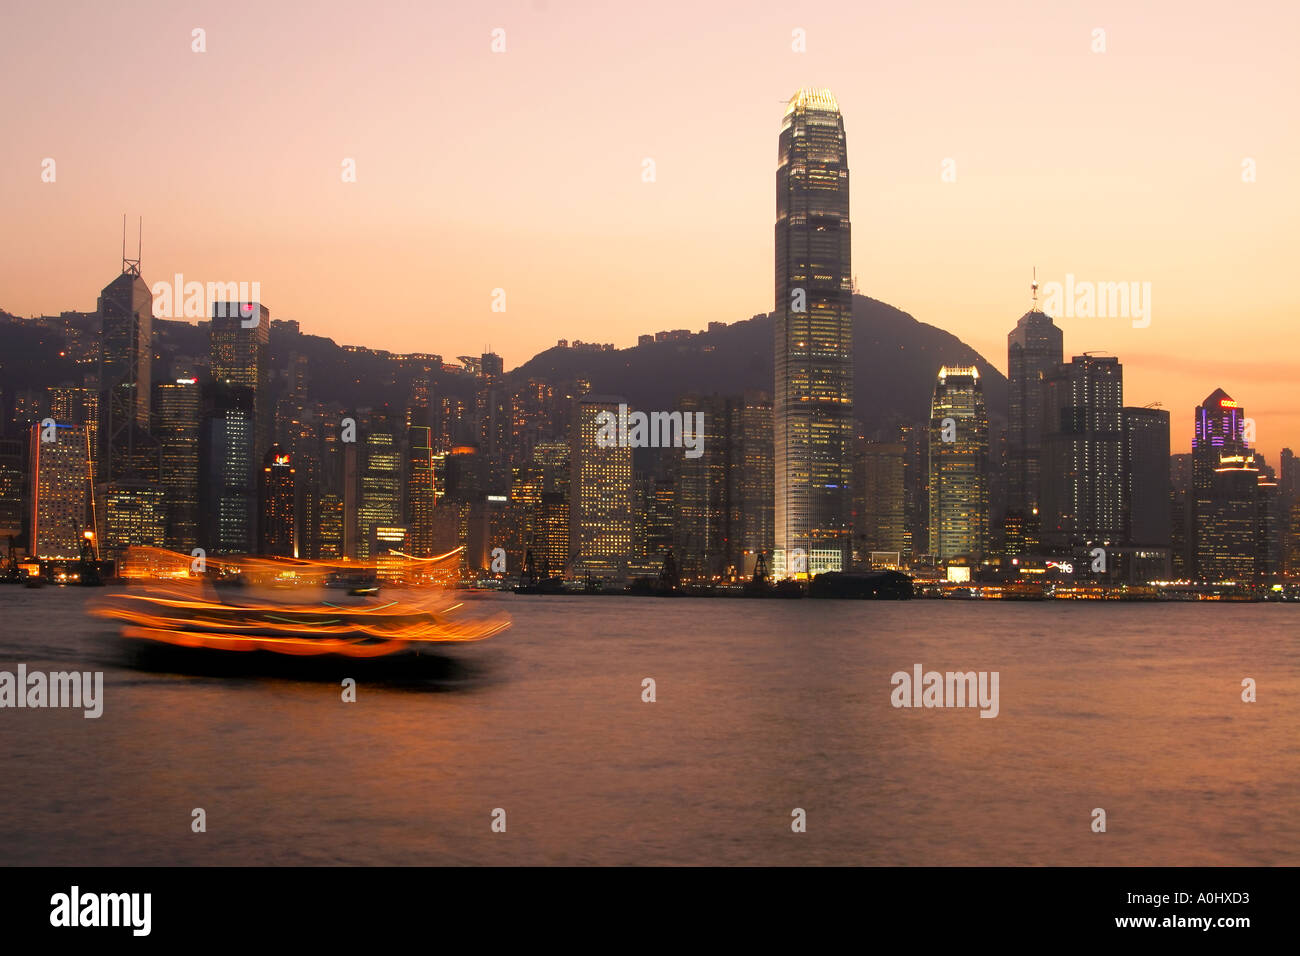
column 523, row 170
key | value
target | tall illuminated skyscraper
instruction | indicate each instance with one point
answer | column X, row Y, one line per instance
column 1225, row 484
column 176, row 425
column 227, row 484
column 60, row 458
column 959, row 458
column 380, row 504
column 813, row 405
column 421, row 495
column 1035, row 347
column 494, row 423
column 125, row 373
column 240, row 342
column 600, row 495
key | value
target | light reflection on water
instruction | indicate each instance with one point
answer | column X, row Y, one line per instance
column 763, row 706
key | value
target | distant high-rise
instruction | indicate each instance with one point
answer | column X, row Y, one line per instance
column 13, row 488
column 1146, row 473
column 1182, row 512
column 723, row 495
column 881, row 525
column 135, row 515
column 420, row 490
column 703, row 532
column 125, row 372
column 1148, row 493
column 380, row 504
column 959, row 459
column 1225, row 484
column 751, row 479
column 495, row 424
column 276, row 520
column 1082, row 484
column 1035, row 347
column 813, row 405
column 227, row 482
column 176, row 418
column 59, row 484
column 1228, row 522
column 1289, row 512
column 600, row 495
column 240, row 343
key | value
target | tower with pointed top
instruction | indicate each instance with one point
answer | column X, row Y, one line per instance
column 813, row 407
column 125, row 375
column 1035, row 349
column 1225, row 482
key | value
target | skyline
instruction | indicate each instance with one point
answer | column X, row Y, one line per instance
column 428, row 233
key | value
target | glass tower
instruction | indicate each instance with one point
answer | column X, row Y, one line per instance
column 959, row 458
column 1035, row 348
column 813, row 407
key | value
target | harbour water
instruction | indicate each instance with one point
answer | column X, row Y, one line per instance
column 762, row 708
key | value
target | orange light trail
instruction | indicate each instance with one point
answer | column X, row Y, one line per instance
column 189, row 614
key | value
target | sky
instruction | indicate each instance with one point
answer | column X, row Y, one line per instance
column 984, row 140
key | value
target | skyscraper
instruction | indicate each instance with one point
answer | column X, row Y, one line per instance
column 13, row 489
column 704, row 513
column 235, row 427
column 380, row 504
column 959, row 459
column 495, row 423
column 126, row 371
column 276, row 525
column 1035, row 347
column 240, row 343
column 1082, row 484
column 600, row 495
column 176, row 417
column 751, row 479
column 227, row 484
column 420, row 492
column 1225, row 484
column 1146, row 473
column 813, row 405
column 1182, row 513
column 59, row 484
column 1148, row 493
column 880, row 517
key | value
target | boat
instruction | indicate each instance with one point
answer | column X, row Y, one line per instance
column 358, row 630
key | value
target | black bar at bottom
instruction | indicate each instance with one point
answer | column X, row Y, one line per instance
column 662, row 906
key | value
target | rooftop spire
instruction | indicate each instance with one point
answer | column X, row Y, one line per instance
column 132, row 266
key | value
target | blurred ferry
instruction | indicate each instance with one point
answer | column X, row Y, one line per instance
column 313, row 618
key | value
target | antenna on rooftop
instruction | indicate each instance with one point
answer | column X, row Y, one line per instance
column 131, row 266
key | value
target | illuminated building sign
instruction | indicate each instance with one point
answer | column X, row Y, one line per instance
column 1228, row 403
column 281, row 461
